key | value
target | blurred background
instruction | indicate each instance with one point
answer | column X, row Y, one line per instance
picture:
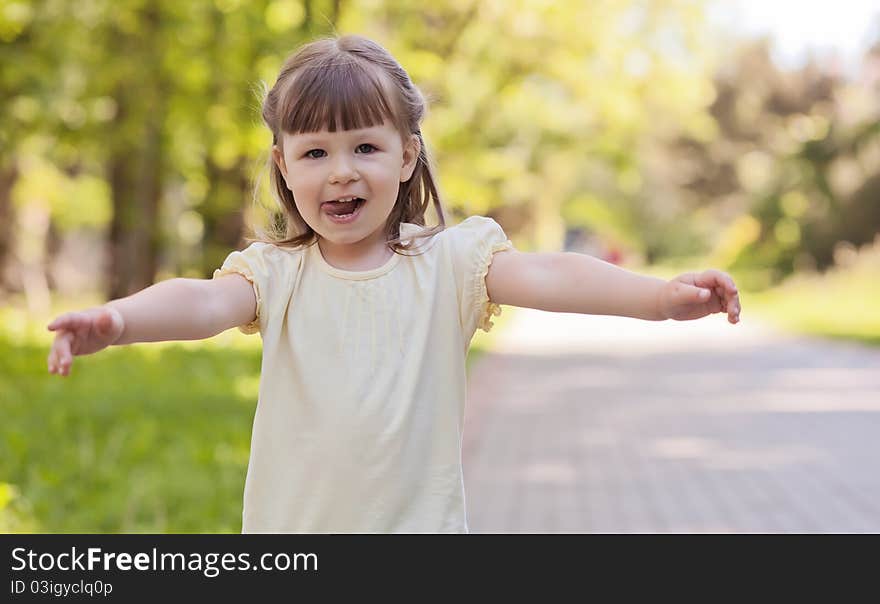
column 662, row 135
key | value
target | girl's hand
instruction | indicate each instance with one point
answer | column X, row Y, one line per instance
column 695, row 295
column 82, row 332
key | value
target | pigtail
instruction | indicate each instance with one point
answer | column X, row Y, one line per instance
column 413, row 200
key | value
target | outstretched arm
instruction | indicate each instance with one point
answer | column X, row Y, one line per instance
column 177, row 309
column 578, row 283
column 186, row 309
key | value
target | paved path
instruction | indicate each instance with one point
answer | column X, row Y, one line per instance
column 606, row 424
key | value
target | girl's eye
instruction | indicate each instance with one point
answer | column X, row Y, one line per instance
column 366, row 148
column 312, row 153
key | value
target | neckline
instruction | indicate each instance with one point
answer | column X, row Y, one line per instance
column 406, row 231
column 353, row 275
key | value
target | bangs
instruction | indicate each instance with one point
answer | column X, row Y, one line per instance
column 334, row 96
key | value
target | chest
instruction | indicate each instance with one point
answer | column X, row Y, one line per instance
column 365, row 326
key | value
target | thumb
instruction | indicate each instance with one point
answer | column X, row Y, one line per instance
column 696, row 294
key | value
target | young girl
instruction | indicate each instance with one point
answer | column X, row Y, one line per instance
column 365, row 313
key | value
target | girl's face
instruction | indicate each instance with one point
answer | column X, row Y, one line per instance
column 368, row 164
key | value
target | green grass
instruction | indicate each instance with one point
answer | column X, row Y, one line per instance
column 151, row 438
column 144, row 438
column 841, row 305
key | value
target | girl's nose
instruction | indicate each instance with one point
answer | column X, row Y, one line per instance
column 343, row 172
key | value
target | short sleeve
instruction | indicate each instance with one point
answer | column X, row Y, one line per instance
column 256, row 263
column 474, row 242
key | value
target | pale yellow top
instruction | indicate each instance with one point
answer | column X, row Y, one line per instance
column 358, row 426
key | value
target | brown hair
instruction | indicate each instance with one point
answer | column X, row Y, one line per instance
column 348, row 83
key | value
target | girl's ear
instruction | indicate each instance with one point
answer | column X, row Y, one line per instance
column 410, row 156
column 278, row 158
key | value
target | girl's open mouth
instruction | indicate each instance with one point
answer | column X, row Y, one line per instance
column 342, row 212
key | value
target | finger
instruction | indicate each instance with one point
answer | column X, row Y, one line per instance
column 733, row 309
column 733, row 315
column 729, row 285
column 733, row 303
column 687, row 278
column 730, row 305
column 723, row 286
column 54, row 358
column 706, row 299
column 723, row 279
column 707, row 278
column 693, row 294
column 713, row 277
column 65, row 358
column 58, row 322
column 720, row 295
column 71, row 321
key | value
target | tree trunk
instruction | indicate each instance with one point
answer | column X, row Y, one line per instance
column 121, row 188
column 8, row 176
column 145, row 233
column 135, row 168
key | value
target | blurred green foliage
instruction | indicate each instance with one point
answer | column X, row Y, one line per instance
column 794, row 169
column 134, row 126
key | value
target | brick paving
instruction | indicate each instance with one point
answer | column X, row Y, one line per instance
column 613, row 425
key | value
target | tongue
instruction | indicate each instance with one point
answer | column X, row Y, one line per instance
column 341, row 207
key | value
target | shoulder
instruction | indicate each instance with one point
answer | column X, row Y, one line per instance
column 475, row 232
column 272, row 251
column 474, row 226
column 267, row 247
column 417, row 236
column 470, row 224
column 265, row 258
column 474, row 223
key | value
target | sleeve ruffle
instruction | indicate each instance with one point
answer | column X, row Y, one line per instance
column 485, row 308
column 236, row 263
